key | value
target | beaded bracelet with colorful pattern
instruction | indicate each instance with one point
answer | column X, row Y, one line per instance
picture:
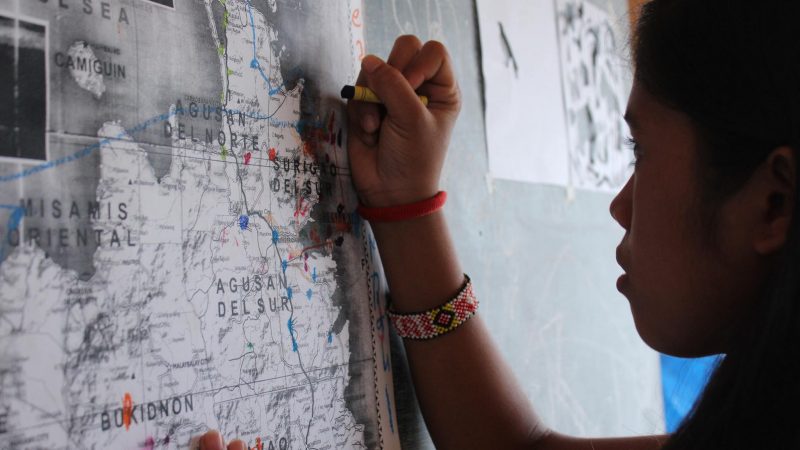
column 440, row 320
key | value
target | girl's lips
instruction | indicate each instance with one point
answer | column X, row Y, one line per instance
column 622, row 282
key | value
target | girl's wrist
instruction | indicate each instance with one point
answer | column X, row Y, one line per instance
column 419, row 260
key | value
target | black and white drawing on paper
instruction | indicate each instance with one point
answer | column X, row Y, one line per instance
column 593, row 80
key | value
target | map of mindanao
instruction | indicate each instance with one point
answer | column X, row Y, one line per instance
column 193, row 262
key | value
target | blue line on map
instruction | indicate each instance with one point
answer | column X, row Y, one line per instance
column 309, row 293
column 17, row 212
column 86, row 151
column 244, row 221
column 290, row 325
column 289, row 292
column 314, row 275
column 254, row 63
column 387, row 362
column 389, row 407
column 284, row 265
column 275, row 236
column 376, row 280
column 330, row 337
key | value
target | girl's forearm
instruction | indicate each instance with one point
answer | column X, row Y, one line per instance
column 468, row 395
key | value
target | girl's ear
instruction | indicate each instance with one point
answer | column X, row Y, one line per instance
column 776, row 184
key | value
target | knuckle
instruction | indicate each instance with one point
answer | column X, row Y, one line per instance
column 407, row 40
column 362, row 75
column 458, row 96
column 435, row 47
column 388, row 75
column 419, row 122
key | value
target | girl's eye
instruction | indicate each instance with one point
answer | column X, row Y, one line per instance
column 634, row 146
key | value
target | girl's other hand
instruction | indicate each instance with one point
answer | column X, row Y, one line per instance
column 212, row 440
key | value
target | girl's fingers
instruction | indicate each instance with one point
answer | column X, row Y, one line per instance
column 404, row 51
column 364, row 118
column 367, row 115
column 401, row 102
column 237, row 444
column 211, row 441
column 432, row 65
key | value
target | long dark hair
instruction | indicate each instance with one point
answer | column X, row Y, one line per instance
column 733, row 67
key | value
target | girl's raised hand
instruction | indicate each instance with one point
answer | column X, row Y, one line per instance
column 397, row 149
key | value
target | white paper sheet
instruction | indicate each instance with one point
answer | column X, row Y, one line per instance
column 555, row 93
column 525, row 122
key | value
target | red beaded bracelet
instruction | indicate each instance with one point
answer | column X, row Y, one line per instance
column 440, row 320
column 404, row 212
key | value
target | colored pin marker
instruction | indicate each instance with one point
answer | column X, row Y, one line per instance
column 365, row 94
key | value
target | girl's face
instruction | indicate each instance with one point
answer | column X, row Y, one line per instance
column 686, row 294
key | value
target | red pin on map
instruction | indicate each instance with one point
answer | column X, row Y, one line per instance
column 247, row 157
column 272, row 154
column 127, row 410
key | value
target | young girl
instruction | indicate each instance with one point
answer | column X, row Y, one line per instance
column 710, row 248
